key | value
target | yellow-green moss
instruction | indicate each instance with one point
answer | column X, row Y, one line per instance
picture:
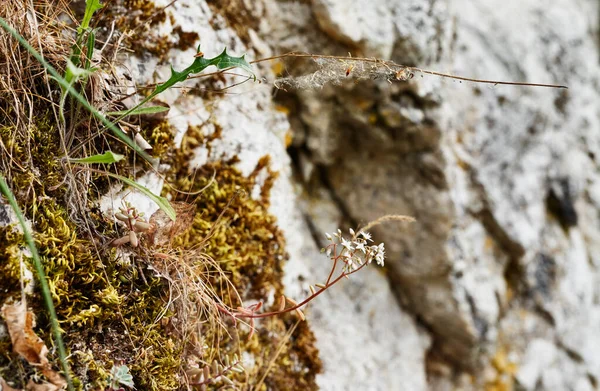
column 250, row 248
column 109, row 306
column 106, row 308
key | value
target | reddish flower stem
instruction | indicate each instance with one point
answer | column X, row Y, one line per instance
column 303, row 303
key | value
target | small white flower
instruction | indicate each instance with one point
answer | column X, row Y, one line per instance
column 347, row 244
column 352, row 232
column 380, row 255
column 360, row 246
column 366, row 235
column 328, row 236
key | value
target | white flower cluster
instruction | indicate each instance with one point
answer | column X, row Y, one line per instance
column 354, row 252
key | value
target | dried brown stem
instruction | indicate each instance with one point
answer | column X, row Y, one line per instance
column 381, row 220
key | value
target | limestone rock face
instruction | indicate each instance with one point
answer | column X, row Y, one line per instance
column 496, row 284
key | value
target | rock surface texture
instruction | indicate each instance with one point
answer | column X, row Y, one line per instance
column 496, row 285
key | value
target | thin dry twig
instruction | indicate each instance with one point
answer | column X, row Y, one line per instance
column 384, row 219
column 379, row 69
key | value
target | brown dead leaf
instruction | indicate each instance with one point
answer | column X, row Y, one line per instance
column 6, row 387
column 45, row 386
column 27, row 344
column 20, row 325
column 164, row 229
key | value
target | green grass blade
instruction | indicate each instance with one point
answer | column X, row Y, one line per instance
column 107, row 157
column 67, row 87
column 140, row 110
column 90, row 50
column 162, row 202
column 91, row 6
column 62, row 353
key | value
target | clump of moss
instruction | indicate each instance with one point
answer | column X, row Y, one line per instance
column 295, row 365
column 105, row 303
column 159, row 135
column 10, row 241
column 240, row 234
column 111, row 305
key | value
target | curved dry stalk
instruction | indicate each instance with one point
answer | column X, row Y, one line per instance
column 396, row 68
column 383, row 219
column 398, row 72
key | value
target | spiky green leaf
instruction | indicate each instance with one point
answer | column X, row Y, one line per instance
column 222, row 61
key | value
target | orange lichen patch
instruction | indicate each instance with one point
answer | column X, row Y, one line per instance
column 282, row 109
column 505, row 372
column 489, row 243
column 278, row 67
column 237, row 16
column 289, row 138
column 267, row 185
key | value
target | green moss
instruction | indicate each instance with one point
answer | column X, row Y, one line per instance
column 107, row 308
column 159, row 135
column 250, row 248
column 10, row 240
column 111, row 306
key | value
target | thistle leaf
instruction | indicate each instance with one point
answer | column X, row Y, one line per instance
column 222, row 61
